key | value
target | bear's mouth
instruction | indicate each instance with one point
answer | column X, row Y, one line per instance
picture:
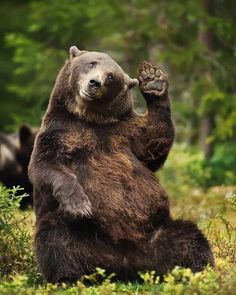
column 92, row 95
column 87, row 96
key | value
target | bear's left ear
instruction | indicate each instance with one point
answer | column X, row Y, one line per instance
column 74, row 51
column 131, row 82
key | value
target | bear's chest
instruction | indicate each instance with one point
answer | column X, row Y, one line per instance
column 99, row 155
column 119, row 186
column 79, row 146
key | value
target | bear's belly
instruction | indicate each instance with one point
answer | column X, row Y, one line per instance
column 125, row 195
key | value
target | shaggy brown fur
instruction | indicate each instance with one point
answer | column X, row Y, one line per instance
column 97, row 200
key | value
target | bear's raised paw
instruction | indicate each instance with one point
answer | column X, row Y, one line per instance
column 152, row 80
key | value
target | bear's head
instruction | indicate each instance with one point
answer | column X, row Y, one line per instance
column 97, row 87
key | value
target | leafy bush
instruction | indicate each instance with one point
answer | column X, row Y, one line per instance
column 223, row 164
column 182, row 170
column 186, row 167
column 179, row 281
column 15, row 235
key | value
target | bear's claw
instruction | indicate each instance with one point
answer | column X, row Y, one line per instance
column 80, row 209
column 152, row 80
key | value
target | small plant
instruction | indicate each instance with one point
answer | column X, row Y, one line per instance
column 232, row 201
column 15, row 238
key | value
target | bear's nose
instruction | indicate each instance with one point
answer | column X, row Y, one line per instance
column 95, row 83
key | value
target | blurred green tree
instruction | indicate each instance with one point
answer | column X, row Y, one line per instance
column 10, row 21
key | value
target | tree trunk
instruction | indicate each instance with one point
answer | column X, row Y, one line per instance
column 207, row 122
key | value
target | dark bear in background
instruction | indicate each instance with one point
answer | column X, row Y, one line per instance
column 15, row 152
column 97, row 200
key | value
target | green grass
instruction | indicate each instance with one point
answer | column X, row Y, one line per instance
column 214, row 210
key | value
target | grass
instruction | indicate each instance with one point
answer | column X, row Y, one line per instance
column 214, row 210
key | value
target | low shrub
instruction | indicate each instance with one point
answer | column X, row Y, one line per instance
column 186, row 167
column 16, row 255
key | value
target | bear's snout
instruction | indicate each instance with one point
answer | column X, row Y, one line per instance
column 95, row 83
column 92, row 89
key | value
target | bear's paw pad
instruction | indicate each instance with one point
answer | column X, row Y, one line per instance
column 152, row 79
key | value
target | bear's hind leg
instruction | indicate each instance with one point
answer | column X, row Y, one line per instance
column 179, row 243
column 56, row 257
column 67, row 251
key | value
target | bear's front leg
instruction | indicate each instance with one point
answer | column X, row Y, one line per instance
column 153, row 133
column 73, row 202
column 64, row 185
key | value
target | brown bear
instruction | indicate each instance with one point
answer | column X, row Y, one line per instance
column 97, row 200
column 15, row 152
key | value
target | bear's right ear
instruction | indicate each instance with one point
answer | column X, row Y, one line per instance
column 74, row 51
column 24, row 133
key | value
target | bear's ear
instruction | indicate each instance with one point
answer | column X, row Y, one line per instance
column 131, row 82
column 74, row 51
column 24, row 133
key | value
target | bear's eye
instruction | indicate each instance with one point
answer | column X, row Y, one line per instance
column 110, row 77
column 92, row 64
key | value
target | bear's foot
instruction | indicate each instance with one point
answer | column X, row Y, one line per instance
column 152, row 80
column 180, row 243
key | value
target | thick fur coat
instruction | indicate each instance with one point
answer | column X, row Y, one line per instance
column 97, row 200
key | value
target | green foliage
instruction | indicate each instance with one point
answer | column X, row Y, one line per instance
column 186, row 167
column 32, row 97
column 232, row 200
column 15, row 239
column 178, row 282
